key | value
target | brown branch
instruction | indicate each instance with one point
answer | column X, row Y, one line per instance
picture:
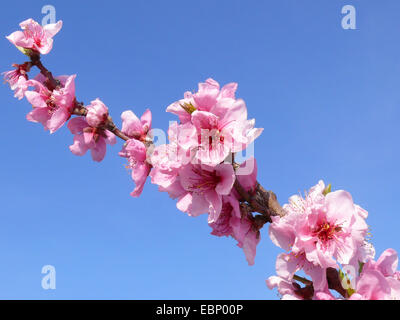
column 334, row 282
column 258, row 200
column 261, row 201
column 51, row 82
column 79, row 109
column 302, row 280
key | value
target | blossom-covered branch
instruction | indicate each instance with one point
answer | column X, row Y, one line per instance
column 323, row 234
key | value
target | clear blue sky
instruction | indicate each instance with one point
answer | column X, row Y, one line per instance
column 328, row 99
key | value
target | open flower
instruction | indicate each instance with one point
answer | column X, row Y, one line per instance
column 35, row 37
column 51, row 108
column 232, row 222
column 220, row 120
column 135, row 151
column 327, row 229
column 134, row 127
column 199, row 189
column 379, row 280
column 168, row 159
column 89, row 138
column 204, row 187
column 18, row 80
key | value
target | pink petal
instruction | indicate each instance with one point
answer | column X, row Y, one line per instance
column 36, row 99
column 340, row 206
column 228, row 90
column 79, row 147
column 99, row 150
column 131, row 125
column 235, row 111
column 76, row 125
column 281, row 234
column 247, row 174
column 227, row 175
column 199, row 205
column 39, row 115
column 250, row 246
column 111, row 138
column 65, row 97
column 373, row 286
column 88, row 138
column 215, row 205
column 52, row 29
column 204, row 120
column 57, row 120
column 207, row 95
column 145, row 119
column 18, row 38
column 176, row 108
column 388, row 262
column 139, row 176
column 184, row 202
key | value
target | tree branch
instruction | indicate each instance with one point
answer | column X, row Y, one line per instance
column 260, row 200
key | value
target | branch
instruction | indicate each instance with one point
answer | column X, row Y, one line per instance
column 260, row 200
column 79, row 109
column 334, row 283
column 51, row 82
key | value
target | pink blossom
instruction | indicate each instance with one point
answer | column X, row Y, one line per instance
column 199, row 188
column 97, row 113
column 134, row 127
column 204, row 187
column 51, row 109
column 168, row 159
column 89, row 138
column 232, row 222
column 220, row 120
column 286, row 288
column 135, row 151
column 286, row 267
column 17, row 79
column 34, row 36
column 327, row 229
column 372, row 285
column 379, row 280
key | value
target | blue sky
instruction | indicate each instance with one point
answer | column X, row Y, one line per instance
column 328, row 99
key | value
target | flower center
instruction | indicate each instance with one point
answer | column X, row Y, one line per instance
column 204, row 180
column 326, row 231
column 51, row 105
column 36, row 33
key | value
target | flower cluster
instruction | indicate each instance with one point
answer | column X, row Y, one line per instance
column 54, row 106
column 191, row 168
column 324, row 234
column 323, row 231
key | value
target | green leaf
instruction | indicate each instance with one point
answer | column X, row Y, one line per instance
column 188, row 107
column 27, row 52
column 327, row 190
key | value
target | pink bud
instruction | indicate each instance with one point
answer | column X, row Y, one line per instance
column 97, row 113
